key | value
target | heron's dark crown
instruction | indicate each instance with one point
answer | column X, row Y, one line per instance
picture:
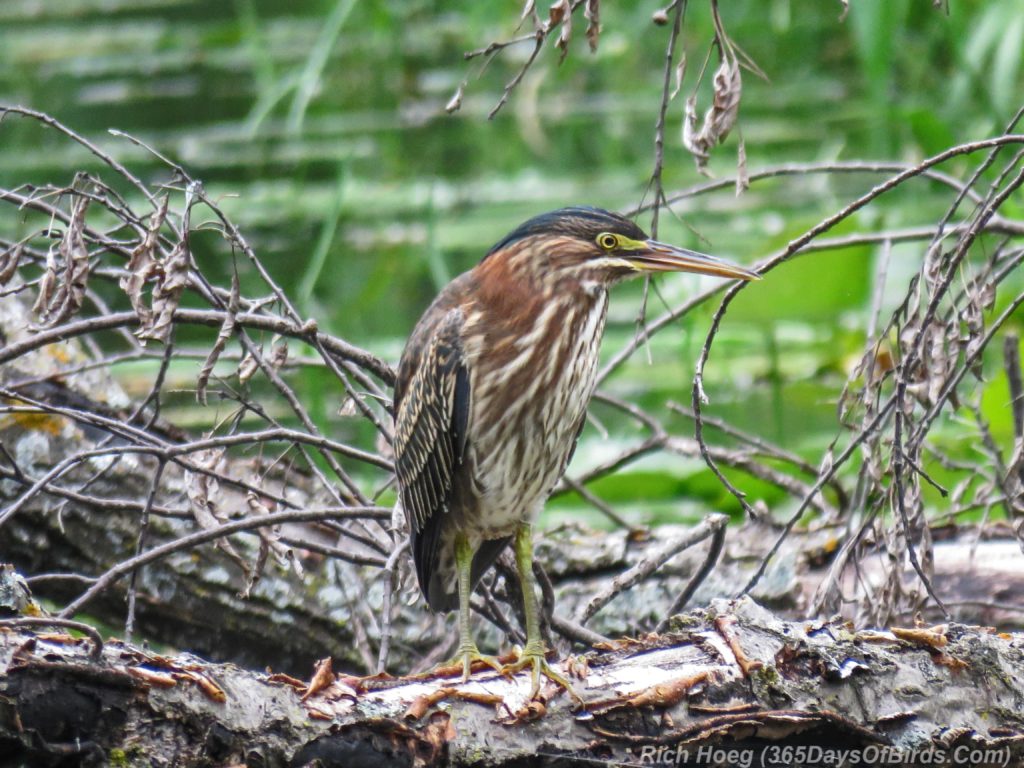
column 583, row 222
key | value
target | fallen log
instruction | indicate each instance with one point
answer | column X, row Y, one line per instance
column 732, row 684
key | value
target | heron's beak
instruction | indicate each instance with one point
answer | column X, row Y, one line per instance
column 661, row 257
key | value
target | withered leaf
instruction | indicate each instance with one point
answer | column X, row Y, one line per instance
column 171, row 281
column 564, row 16
column 206, row 501
column 720, row 118
column 9, row 261
column 742, row 177
column 212, row 691
column 153, row 677
column 422, row 704
column 934, row 637
column 284, row 679
column 455, row 102
column 558, row 11
column 667, row 694
column 323, row 676
column 227, row 330
column 247, row 368
column 142, row 265
column 279, row 355
column 592, row 13
column 62, row 287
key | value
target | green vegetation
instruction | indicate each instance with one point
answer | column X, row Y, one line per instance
column 320, row 126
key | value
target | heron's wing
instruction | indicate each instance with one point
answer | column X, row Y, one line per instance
column 575, row 441
column 430, row 435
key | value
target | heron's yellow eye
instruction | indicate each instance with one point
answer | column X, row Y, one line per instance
column 607, row 241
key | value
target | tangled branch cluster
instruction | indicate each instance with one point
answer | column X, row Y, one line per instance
column 914, row 370
column 102, row 277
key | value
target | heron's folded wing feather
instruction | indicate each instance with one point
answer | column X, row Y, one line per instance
column 432, row 423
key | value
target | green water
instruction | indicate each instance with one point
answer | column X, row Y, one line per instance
column 320, row 128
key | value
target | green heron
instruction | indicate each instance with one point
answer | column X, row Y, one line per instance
column 492, row 394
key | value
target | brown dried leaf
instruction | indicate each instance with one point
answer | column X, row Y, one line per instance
column 565, row 18
column 577, row 667
column 153, row 677
column 212, row 691
column 269, row 543
column 9, row 260
column 323, row 676
column 934, row 637
column 227, row 330
column 171, row 281
column 680, row 74
column 721, row 116
column 283, row 679
column 423, row 704
column 950, row 662
column 203, row 489
column 206, row 501
column 691, row 132
column 62, row 287
column 58, row 638
column 142, row 265
column 667, row 694
column 592, row 13
column 558, row 11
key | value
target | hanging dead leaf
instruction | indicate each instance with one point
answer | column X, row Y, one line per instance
column 699, row 137
column 171, row 281
column 455, row 102
column 227, row 330
column 142, row 265
column 742, row 177
column 557, row 13
column 247, row 368
column 592, row 13
column 279, row 355
column 62, row 287
column 206, row 501
column 565, row 19
column 9, row 261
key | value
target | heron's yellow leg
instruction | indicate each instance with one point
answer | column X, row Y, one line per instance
column 534, row 654
column 467, row 652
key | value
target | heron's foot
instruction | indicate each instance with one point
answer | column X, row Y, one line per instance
column 466, row 657
column 534, row 657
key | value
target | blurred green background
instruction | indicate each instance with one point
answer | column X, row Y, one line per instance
column 320, row 126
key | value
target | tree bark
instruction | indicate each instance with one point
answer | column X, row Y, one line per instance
column 732, row 684
column 192, row 599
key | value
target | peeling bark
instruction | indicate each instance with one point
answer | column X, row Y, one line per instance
column 192, row 600
column 729, row 680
